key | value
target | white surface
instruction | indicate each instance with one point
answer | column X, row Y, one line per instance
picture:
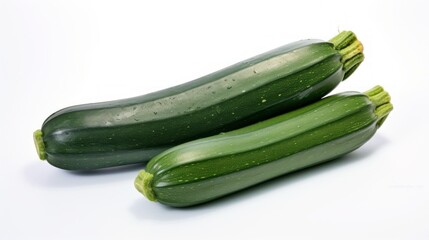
column 59, row 53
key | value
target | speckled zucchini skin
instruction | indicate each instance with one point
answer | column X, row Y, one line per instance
column 209, row 168
column 133, row 130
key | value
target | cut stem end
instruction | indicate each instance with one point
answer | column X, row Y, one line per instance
column 38, row 142
column 143, row 184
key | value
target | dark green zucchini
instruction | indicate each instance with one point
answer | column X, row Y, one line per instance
column 133, row 130
column 209, row 168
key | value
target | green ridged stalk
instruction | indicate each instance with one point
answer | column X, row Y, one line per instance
column 381, row 100
column 351, row 50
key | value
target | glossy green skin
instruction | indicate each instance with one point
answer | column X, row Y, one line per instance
column 134, row 130
column 206, row 169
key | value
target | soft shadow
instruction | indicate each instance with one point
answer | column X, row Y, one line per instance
column 143, row 209
column 108, row 171
column 49, row 176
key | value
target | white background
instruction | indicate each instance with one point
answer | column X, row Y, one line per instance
column 59, row 53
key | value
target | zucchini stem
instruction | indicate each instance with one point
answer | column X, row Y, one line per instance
column 351, row 50
column 343, row 39
column 143, row 184
column 382, row 112
column 381, row 100
column 352, row 64
column 374, row 91
column 38, row 142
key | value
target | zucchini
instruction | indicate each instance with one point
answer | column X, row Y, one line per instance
column 209, row 168
column 133, row 130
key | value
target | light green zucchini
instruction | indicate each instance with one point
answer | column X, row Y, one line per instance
column 209, row 168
